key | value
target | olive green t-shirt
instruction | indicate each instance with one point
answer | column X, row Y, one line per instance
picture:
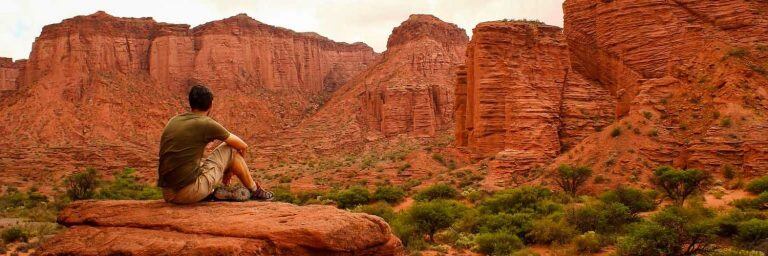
column 181, row 147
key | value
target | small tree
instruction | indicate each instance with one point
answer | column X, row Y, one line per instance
column 432, row 216
column 679, row 184
column 570, row 178
column 82, row 185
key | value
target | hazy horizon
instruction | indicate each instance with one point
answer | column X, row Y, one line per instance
column 366, row 21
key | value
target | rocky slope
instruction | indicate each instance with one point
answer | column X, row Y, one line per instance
column 251, row 228
column 687, row 88
column 691, row 87
column 519, row 101
column 98, row 89
column 408, row 91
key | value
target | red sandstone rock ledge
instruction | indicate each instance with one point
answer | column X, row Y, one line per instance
column 250, row 228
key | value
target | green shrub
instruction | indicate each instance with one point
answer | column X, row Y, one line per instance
column 525, row 252
column 726, row 122
column 673, row 231
column 679, row 184
column 636, row 200
column 616, row 132
column 381, row 209
column 758, row 185
column 405, row 229
column 752, row 231
column 352, row 197
column 82, row 185
column 647, row 115
column 522, row 199
column 14, row 234
column 758, row 203
column 548, row 231
column 728, row 224
column 390, row 194
column 588, row 242
column 600, row 217
column 570, row 178
column 498, row 243
column 432, row 216
column 437, row 191
column 283, row 194
column 126, row 186
column 737, row 52
column 735, row 252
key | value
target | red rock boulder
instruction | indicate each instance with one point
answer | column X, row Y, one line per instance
column 250, row 228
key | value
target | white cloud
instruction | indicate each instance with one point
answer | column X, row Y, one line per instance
column 369, row 21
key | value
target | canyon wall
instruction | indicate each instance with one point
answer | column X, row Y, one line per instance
column 518, row 99
column 105, row 86
column 407, row 91
column 9, row 73
column 618, row 91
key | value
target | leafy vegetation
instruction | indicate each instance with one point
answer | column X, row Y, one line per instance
column 677, row 184
column 437, row 191
column 570, row 178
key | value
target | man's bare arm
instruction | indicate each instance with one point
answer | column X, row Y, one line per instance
column 236, row 143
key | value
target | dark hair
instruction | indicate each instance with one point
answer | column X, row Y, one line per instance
column 200, row 97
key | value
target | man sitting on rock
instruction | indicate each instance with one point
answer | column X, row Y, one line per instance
column 185, row 176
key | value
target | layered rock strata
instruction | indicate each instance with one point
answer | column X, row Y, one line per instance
column 251, row 228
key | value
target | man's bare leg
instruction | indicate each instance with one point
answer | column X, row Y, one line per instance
column 240, row 169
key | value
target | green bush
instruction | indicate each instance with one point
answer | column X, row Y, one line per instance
column 548, row 231
column 498, row 243
column 14, row 234
column 126, row 186
column 600, row 217
column 283, row 194
column 389, row 194
column 679, row 184
column 588, row 242
column 752, row 231
column 616, row 132
column 432, row 216
column 82, row 185
column 735, row 252
column 522, row 199
column 758, row 185
column 673, row 231
column 437, row 191
column 525, row 252
column 405, row 229
column 758, row 203
column 728, row 224
column 381, row 209
column 570, row 178
column 352, row 197
column 636, row 200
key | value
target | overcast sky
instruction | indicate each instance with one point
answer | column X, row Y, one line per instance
column 369, row 21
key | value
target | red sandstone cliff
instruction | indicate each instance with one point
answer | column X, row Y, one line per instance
column 97, row 89
column 9, row 73
column 691, row 86
column 687, row 88
column 518, row 99
column 408, row 91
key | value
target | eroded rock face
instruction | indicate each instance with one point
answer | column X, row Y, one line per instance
column 9, row 74
column 409, row 91
column 690, row 86
column 251, row 228
column 109, row 84
column 520, row 101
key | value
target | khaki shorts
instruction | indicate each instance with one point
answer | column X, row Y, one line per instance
column 212, row 172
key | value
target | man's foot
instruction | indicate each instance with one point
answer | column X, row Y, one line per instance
column 261, row 195
column 238, row 194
